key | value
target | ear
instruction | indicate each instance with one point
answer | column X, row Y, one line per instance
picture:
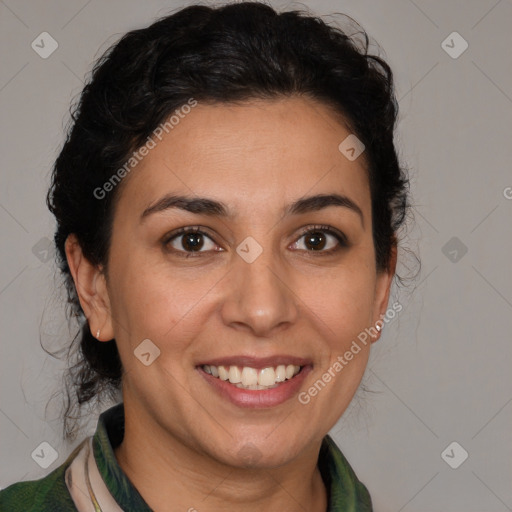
column 382, row 291
column 91, row 287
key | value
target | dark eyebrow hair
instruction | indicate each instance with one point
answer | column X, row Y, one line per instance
column 318, row 202
column 205, row 206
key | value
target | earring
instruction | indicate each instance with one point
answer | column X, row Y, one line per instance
column 98, row 333
column 378, row 327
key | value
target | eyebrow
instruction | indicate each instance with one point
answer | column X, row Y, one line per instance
column 205, row 206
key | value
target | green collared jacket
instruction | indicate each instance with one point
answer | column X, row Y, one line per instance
column 92, row 480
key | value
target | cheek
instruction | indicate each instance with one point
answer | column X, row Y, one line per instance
column 155, row 300
column 343, row 300
column 344, row 305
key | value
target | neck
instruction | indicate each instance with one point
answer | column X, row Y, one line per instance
column 165, row 470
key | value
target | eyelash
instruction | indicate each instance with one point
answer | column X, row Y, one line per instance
column 338, row 235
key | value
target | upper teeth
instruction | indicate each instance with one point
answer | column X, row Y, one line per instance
column 251, row 377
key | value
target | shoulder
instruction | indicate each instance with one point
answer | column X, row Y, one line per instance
column 347, row 492
column 49, row 493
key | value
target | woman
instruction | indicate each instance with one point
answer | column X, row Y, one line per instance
column 227, row 203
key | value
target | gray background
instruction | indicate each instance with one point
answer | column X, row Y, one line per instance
column 441, row 371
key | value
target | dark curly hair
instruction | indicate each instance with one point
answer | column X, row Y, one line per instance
column 227, row 54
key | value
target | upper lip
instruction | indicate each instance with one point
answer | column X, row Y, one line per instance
column 256, row 362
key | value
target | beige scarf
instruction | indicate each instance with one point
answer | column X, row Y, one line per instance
column 84, row 482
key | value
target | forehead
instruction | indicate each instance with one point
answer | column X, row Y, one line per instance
column 260, row 152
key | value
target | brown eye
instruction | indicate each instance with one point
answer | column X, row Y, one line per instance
column 190, row 240
column 321, row 239
column 315, row 240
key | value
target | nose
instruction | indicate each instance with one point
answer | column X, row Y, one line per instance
column 260, row 298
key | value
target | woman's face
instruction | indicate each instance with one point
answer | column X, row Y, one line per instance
column 263, row 285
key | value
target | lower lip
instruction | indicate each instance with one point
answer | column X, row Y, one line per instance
column 257, row 398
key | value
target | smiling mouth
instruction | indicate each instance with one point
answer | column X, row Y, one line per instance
column 246, row 377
